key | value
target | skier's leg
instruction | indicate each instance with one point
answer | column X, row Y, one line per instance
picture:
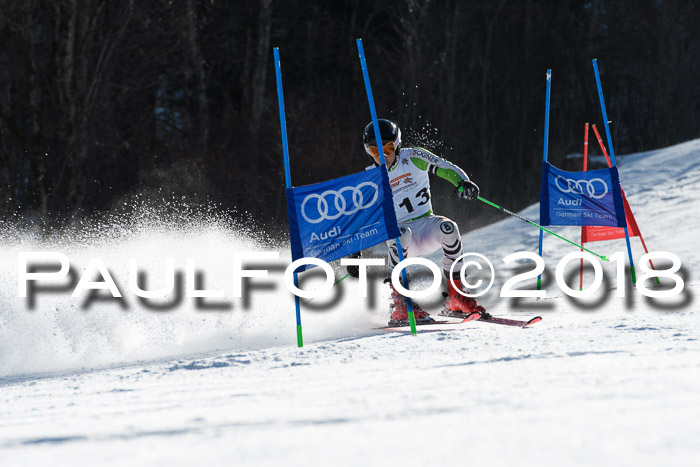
column 406, row 237
column 436, row 232
column 400, row 309
column 451, row 243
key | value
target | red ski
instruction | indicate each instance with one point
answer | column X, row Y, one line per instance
column 511, row 322
column 492, row 319
column 432, row 325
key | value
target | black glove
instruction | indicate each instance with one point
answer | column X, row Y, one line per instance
column 467, row 190
column 354, row 271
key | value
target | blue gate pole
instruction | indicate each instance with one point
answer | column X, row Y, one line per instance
column 612, row 158
column 287, row 173
column 544, row 156
column 380, row 147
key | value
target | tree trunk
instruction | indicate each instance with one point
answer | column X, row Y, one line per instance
column 256, row 98
column 262, row 58
column 64, row 39
column 36, row 152
column 195, row 72
column 487, row 132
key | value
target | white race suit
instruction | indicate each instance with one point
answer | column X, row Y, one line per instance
column 422, row 232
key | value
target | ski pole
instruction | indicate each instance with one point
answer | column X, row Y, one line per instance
column 539, row 226
column 338, row 281
column 334, row 284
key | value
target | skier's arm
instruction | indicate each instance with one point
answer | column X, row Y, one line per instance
column 426, row 160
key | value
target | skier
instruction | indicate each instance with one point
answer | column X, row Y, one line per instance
column 422, row 232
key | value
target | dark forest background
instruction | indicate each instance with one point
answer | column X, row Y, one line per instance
column 101, row 101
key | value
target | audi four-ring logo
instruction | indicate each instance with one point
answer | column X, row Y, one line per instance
column 339, row 201
column 576, row 186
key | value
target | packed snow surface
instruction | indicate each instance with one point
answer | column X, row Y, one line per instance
column 603, row 380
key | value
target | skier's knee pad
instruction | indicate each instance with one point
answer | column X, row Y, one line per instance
column 406, row 235
column 449, row 233
column 451, row 244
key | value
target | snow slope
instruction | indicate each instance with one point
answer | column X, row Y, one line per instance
column 607, row 380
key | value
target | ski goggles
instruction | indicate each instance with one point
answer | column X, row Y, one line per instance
column 388, row 149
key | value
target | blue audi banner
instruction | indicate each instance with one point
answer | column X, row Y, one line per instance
column 330, row 220
column 592, row 197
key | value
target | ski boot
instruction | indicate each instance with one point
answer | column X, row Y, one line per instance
column 399, row 310
column 457, row 305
